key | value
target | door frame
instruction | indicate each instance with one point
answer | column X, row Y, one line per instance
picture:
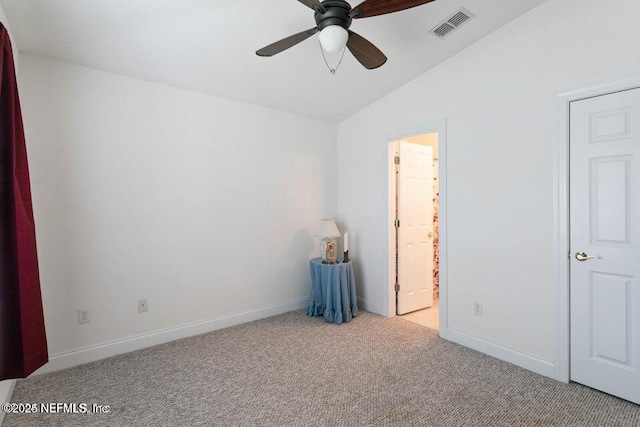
column 389, row 296
column 561, row 240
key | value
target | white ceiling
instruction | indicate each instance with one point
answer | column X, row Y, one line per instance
column 209, row 46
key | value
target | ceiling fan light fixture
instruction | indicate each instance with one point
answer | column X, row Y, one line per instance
column 333, row 19
column 333, row 38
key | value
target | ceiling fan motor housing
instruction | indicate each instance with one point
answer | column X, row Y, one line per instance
column 336, row 13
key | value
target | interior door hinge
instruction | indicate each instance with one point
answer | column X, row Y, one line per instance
column 396, row 160
column 397, row 287
column 397, row 223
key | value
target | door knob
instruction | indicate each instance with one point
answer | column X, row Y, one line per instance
column 430, row 235
column 581, row 256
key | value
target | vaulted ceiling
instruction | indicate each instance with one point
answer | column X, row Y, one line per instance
column 209, row 46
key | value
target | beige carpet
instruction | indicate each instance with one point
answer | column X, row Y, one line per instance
column 291, row 370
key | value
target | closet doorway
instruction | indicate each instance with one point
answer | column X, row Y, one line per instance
column 416, row 240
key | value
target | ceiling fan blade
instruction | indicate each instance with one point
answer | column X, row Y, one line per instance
column 369, row 8
column 313, row 4
column 365, row 52
column 284, row 44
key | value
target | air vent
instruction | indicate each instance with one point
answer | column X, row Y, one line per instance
column 452, row 23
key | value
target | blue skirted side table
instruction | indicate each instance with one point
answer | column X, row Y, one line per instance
column 333, row 291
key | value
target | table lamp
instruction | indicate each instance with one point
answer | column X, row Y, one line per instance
column 328, row 230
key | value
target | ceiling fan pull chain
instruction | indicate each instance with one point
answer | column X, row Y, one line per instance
column 333, row 70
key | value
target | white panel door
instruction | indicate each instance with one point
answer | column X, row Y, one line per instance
column 415, row 234
column 605, row 225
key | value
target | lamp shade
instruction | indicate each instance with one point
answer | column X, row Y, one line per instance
column 333, row 38
column 328, row 228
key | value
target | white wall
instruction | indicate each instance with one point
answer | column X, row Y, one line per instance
column 203, row 206
column 498, row 98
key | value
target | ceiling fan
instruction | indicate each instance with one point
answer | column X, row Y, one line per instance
column 333, row 19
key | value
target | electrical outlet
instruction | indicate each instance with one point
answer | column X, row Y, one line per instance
column 83, row 316
column 477, row 308
column 142, row 306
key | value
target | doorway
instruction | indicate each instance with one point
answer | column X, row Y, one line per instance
column 416, row 243
column 604, row 232
column 597, row 126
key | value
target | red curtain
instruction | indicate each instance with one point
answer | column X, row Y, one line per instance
column 23, row 343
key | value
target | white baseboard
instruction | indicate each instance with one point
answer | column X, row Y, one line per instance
column 531, row 363
column 370, row 307
column 6, row 390
column 96, row 352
